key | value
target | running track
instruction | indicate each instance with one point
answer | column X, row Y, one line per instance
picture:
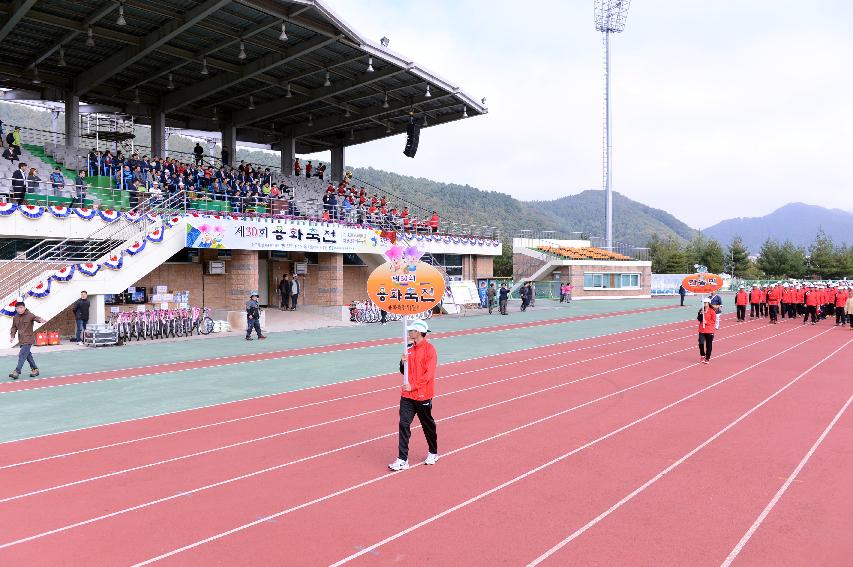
column 609, row 451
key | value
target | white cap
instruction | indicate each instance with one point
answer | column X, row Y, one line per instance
column 419, row 326
column 706, row 300
column 741, row 287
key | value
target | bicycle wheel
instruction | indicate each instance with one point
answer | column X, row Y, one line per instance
column 179, row 328
column 360, row 317
column 206, row 326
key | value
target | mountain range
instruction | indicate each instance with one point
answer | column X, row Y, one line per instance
column 796, row 222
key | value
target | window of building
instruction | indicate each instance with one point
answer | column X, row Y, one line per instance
column 607, row 280
column 452, row 264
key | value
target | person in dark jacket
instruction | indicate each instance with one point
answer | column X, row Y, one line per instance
column 253, row 317
column 525, row 296
column 19, row 185
column 682, row 292
column 80, row 308
column 284, row 291
column 198, row 152
column 503, row 298
column 22, row 325
column 490, row 297
column 80, row 188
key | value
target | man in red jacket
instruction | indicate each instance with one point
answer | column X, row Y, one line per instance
column 841, row 297
column 707, row 321
column 812, row 301
column 786, row 299
column 755, row 302
column 774, row 297
column 416, row 397
column 740, row 303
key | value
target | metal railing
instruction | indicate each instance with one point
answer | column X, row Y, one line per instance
column 53, row 254
column 38, row 191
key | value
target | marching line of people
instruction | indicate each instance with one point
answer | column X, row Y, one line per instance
column 811, row 301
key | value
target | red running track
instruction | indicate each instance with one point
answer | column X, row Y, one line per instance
column 215, row 362
column 160, row 521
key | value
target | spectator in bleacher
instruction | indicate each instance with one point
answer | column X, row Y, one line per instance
column 93, row 161
column 266, row 178
column 80, row 188
column 225, row 155
column 16, row 139
column 321, row 171
column 198, row 152
column 107, row 163
column 297, row 168
column 33, row 181
column 433, row 222
column 133, row 194
column 346, row 209
column 19, row 185
column 2, row 134
column 57, row 180
column 10, row 154
column 308, row 168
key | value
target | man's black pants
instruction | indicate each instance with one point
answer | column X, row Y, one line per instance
column 839, row 315
column 811, row 310
column 706, row 343
column 774, row 313
column 423, row 409
column 741, row 312
column 783, row 310
column 502, row 305
column 285, row 300
column 293, row 300
column 754, row 311
column 763, row 309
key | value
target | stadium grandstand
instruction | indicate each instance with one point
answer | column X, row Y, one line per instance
column 288, row 76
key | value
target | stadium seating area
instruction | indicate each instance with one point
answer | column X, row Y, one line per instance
column 586, row 253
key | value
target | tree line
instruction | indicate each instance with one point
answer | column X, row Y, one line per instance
column 822, row 259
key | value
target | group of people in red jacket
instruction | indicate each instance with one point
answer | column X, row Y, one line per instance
column 793, row 300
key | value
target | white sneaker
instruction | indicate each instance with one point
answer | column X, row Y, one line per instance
column 399, row 465
column 431, row 459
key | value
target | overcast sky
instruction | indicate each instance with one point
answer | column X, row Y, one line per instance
column 721, row 108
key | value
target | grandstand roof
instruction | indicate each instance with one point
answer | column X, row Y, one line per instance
column 180, row 37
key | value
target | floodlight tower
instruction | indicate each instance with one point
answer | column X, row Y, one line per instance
column 610, row 17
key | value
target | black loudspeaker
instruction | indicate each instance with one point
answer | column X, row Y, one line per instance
column 413, row 134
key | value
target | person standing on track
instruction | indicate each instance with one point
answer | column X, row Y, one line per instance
column 754, row 302
column 417, row 394
column 22, row 325
column 774, row 296
column 707, row 318
column 490, row 297
column 682, row 291
column 503, row 298
column 740, row 303
column 812, row 300
column 841, row 297
column 848, row 309
column 253, row 317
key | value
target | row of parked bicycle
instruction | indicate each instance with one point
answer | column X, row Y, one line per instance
column 162, row 323
column 368, row 312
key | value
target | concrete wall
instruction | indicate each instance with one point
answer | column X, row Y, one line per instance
column 576, row 273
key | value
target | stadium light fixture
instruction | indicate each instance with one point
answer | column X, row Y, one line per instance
column 370, row 64
column 347, row 114
column 351, row 134
column 204, row 66
column 61, row 57
column 283, row 35
column 251, row 102
column 464, row 112
column 385, row 103
column 136, row 96
column 327, row 82
column 36, row 79
column 289, row 94
column 310, row 119
column 170, row 85
column 387, row 127
column 90, row 37
column 121, row 21
column 242, row 54
column 610, row 17
column 427, row 94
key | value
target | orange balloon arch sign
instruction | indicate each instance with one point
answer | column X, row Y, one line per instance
column 405, row 289
column 702, row 283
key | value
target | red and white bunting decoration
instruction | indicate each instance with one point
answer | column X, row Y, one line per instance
column 9, row 309
column 41, row 289
column 31, row 211
column 84, row 213
column 8, row 208
column 155, row 235
column 114, row 261
column 136, row 247
column 154, row 217
column 109, row 215
column 64, row 274
column 133, row 217
column 59, row 211
column 88, row 269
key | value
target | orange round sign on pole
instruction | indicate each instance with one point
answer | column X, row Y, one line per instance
column 702, row 283
column 405, row 289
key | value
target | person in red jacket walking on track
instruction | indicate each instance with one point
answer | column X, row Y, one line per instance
column 416, row 397
column 841, row 297
column 707, row 318
column 774, row 297
column 741, row 300
column 812, row 301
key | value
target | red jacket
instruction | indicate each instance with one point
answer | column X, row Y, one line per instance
column 773, row 296
column 813, row 298
column 741, row 298
column 709, row 321
column 755, row 296
column 422, row 363
column 841, row 298
column 786, row 296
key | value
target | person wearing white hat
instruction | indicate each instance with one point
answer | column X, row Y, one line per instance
column 417, row 394
column 841, row 296
column 848, row 308
column 707, row 318
column 754, row 302
column 741, row 299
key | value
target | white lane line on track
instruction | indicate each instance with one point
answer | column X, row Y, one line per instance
column 284, row 355
column 784, row 488
column 331, row 384
column 364, row 442
column 580, row 531
column 445, row 455
column 340, row 398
